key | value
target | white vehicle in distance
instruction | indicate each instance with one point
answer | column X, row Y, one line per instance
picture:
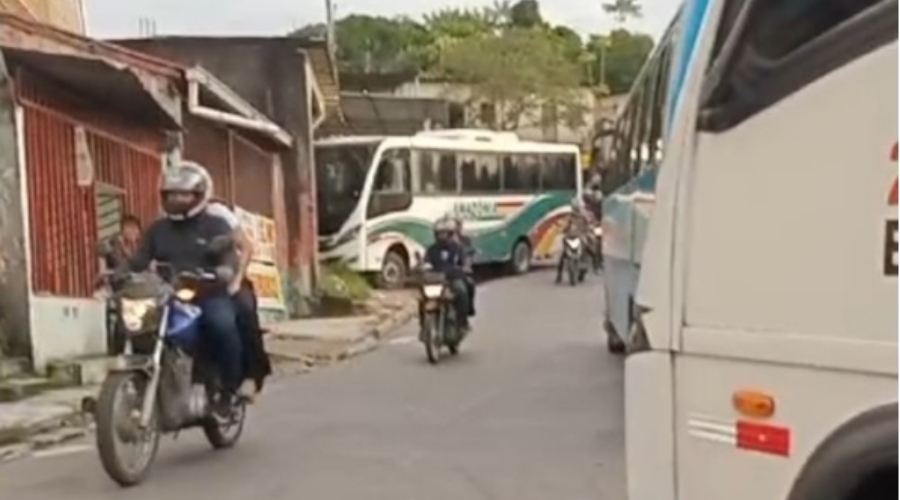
column 378, row 197
column 763, row 360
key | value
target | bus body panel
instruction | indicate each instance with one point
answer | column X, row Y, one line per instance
column 812, row 262
column 495, row 223
column 810, row 404
column 770, row 266
column 649, row 421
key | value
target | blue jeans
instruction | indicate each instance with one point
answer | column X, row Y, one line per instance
column 222, row 338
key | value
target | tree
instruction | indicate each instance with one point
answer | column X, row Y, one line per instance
column 516, row 70
column 525, row 14
column 623, row 10
column 374, row 44
column 618, row 57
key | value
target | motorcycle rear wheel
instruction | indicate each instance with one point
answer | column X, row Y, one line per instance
column 224, row 436
column 112, row 424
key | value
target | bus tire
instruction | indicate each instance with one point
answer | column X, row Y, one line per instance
column 520, row 258
column 858, row 461
column 394, row 269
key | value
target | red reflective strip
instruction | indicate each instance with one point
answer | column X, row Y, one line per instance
column 764, row 438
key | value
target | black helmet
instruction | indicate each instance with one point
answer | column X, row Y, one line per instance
column 186, row 178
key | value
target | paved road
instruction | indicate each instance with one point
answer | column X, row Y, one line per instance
column 531, row 409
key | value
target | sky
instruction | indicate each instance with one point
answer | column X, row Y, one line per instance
column 121, row 18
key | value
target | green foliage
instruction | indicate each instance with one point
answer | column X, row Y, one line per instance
column 337, row 281
column 620, row 55
column 507, row 49
column 517, row 69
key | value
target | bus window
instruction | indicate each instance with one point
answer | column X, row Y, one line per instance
column 391, row 191
column 521, row 173
column 558, row 172
column 480, row 173
column 426, row 174
column 447, row 178
column 778, row 48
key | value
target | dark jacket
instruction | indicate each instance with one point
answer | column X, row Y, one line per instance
column 183, row 244
column 448, row 257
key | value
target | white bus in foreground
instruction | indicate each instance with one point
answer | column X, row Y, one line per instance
column 378, row 197
column 763, row 361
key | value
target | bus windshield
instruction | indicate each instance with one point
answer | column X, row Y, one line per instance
column 340, row 176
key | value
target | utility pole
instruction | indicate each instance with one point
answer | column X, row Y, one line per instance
column 329, row 26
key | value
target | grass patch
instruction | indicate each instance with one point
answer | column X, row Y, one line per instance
column 337, row 281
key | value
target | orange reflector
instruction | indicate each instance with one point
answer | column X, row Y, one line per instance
column 754, row 404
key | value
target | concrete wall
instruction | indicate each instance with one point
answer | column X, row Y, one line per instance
column 15, row 337
column 531, row 126
column 64, row 14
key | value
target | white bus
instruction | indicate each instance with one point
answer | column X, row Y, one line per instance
column 378, row 197
column 763, row 361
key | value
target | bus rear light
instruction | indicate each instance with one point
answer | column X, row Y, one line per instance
column 753, row 404
column 764, row 438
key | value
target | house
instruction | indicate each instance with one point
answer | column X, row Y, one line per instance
column 86, row 128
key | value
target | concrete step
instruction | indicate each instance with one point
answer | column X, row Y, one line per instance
column 16, row 389
column 81, row 371
column 13, row 367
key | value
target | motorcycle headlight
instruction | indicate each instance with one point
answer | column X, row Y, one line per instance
column 574, row 243
column 186, row 294
column 432, row 291
column 134, row 312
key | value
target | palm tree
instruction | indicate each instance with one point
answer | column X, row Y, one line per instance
column 623, row 10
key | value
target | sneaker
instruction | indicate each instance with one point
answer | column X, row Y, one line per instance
column 248, row 391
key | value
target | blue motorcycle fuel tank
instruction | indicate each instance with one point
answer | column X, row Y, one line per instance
column 183, row 326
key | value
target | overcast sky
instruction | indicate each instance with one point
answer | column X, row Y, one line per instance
column 120, row 18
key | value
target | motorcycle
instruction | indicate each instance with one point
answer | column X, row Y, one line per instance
column 440, row 326
column 574, row 258
column 162, row 382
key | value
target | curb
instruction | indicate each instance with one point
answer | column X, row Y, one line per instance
column 19, row 442
column 371, row 340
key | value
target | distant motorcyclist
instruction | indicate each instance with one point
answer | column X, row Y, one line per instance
column 579, row 223
column 180, row 240
column 469, row 249
column 446, row 255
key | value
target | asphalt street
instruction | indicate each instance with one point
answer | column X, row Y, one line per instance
column 531, row 409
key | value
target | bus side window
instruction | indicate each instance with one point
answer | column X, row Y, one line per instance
column 777, row 48
column 480, row 173
column 558, row 172
column 447, row 173
column 391, row 191
column 426, row 177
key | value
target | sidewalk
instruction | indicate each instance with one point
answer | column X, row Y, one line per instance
column 296, row 346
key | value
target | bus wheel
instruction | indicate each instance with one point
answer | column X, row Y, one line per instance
column 521, row 257
column 394, row 271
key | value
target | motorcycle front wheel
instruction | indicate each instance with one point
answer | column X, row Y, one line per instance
column 126, row 450
column 572, row 265
column 431, row 326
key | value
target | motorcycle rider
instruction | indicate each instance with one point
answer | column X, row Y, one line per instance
column 578, row 223
column 469, row 251
column 447, row 256
column 257, row 365
column 180, row 240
